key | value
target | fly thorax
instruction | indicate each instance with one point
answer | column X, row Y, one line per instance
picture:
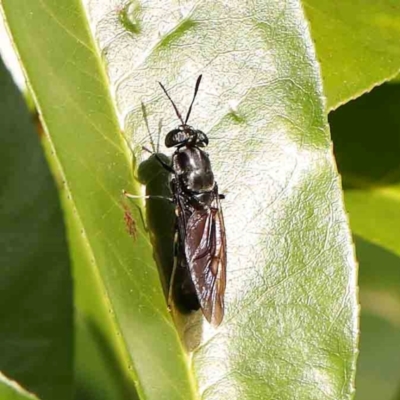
column 193, row 168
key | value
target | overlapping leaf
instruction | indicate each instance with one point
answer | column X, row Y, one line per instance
column 356, row 43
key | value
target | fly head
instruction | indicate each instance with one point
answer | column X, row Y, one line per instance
column 185, row 135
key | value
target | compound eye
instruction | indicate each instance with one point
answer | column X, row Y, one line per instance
column 170, row 139
column 202, row 139
column 175, row 137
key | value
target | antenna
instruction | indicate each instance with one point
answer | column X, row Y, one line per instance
column 147, row 126
column 159, row 134
column 176, row 110
column 196, row 88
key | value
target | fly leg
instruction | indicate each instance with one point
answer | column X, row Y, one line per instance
column 155, row 149
column 133, row 196
column 160, row 160
column 138, row 208
column 174, row 267
column 164, row 164
column 152, row 196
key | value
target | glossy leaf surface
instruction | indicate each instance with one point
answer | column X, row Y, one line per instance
column 261, row 106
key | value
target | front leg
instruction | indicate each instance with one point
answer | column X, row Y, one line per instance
column 164, row 164
column 160, row 160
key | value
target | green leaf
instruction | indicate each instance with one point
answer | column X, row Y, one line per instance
column 270, row 150
column 291, row 311
column 10, row 390
column 35, row 292
column 356, row 43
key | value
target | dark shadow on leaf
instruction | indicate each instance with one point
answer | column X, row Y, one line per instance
column 160, row 219
column 160, row 216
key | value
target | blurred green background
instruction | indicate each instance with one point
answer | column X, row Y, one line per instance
column 366, row 137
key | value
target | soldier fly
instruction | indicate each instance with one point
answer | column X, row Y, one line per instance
column 200, row 248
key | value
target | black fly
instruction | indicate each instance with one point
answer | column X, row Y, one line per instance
column 200, row 267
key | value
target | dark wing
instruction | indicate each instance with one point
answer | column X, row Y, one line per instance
column 205, row 250
column 184, row 293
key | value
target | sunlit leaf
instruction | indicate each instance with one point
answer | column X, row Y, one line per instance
column 286, row 230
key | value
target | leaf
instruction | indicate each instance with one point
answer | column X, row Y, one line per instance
column 10, row 390
column 287, row 327
column 356, row 43
column 36, row 289
column 94, row 166
column 291, row 312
